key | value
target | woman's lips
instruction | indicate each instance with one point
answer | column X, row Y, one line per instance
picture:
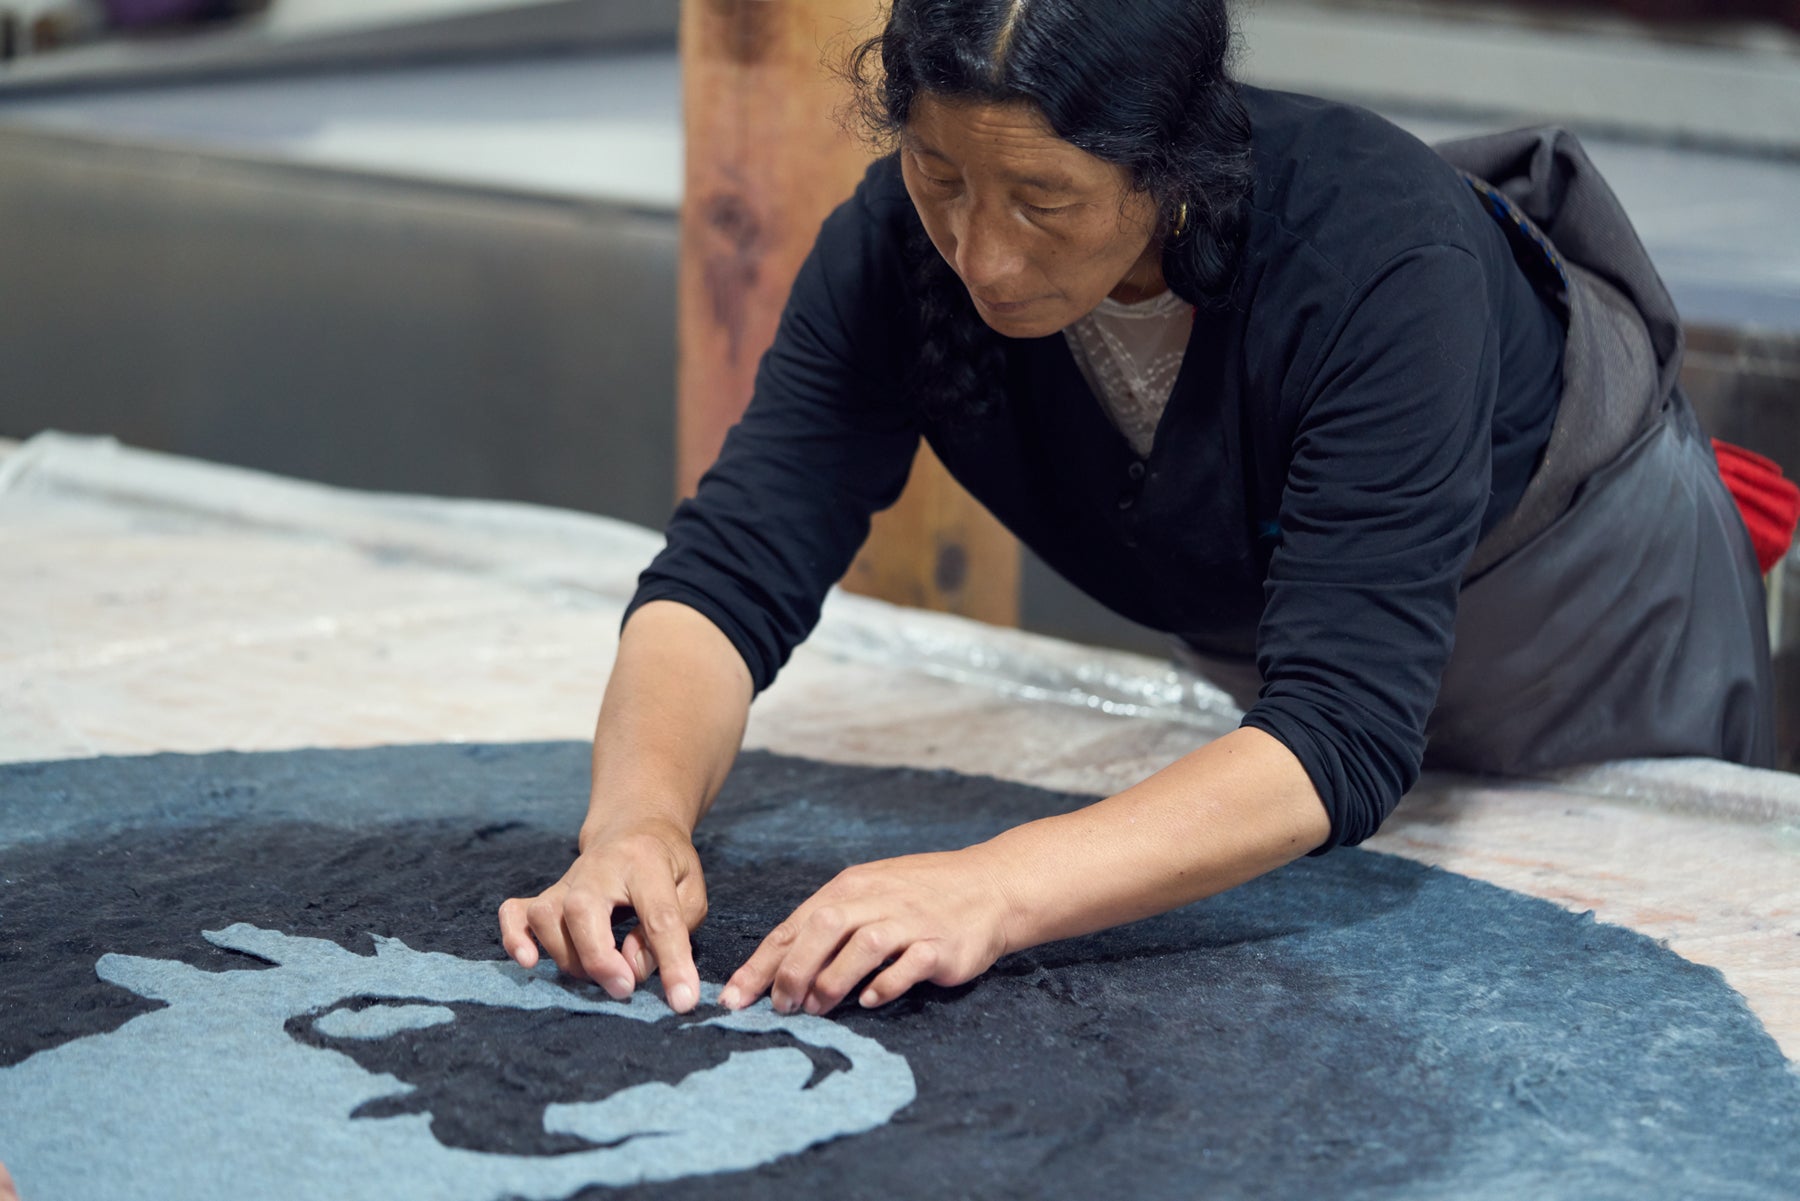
column 1013, row 306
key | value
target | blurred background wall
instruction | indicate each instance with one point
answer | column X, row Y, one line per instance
column 431, row 249
column 430, row 245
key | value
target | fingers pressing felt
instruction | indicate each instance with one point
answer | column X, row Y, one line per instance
column 919, row 964
column 862, row 953
column 637, row 953
column 574, row 934
column 543, row 917
column 589, row 928
column 662, row 926
column 653, row 871
column 935, row 917
column 816, row 941
column 753, row 979
column 515, row 935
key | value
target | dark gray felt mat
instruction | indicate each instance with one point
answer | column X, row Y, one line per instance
column 1353, row 1026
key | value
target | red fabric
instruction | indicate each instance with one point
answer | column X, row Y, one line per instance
column 1769, row 501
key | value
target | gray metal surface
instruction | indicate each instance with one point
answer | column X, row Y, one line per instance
column 1738, row 88
column 336, row 35
column 603, row 127
column 352, row 329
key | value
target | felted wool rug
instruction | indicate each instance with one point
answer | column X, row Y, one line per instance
column 278, row 976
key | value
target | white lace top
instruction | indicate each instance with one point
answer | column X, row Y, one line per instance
column 1131, row 354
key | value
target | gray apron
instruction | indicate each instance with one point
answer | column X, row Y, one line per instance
column 1618, row 611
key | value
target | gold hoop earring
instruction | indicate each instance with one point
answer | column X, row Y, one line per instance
column 1181, row 219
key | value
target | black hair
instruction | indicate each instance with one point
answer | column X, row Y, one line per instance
column 1143, row 84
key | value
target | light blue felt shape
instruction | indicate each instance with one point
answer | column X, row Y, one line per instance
column 210, row 1099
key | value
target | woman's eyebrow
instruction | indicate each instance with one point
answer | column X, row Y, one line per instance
column 919, row 149
column 1045, row 183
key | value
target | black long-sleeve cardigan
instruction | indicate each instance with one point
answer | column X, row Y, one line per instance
column 1372, row 400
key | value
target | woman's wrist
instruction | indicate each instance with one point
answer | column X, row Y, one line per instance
column 669, row 727
column 1003, row 874
column 609, row 822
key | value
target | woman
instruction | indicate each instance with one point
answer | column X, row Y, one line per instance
column 1255, row 369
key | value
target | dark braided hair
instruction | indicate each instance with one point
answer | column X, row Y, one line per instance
column 1142, row 84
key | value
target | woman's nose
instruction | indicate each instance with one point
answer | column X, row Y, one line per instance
column 987, row 259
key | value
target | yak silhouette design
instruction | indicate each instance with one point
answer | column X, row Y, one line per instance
column 211, row 1097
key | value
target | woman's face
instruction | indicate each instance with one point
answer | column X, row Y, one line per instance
column 1039, row 230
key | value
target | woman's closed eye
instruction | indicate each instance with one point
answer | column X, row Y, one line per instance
column 942, row 184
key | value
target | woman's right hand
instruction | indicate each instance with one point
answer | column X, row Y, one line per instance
column 650, row 868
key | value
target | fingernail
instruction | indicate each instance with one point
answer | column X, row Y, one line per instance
column 868, row 999
column 813, row 1006
column 729, row 998
column 619, row 986
column 681, row 997
column 779, row 1003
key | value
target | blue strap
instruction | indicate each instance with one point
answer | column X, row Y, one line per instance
column 1542, row 263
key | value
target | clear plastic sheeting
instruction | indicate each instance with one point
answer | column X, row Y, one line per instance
column 1016, row 664
column 157, row 604
column 538, row 546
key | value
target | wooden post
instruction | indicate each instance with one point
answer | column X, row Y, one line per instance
column 767, row 161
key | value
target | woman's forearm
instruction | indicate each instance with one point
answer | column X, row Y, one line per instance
column 1228, row 812
column 669, row 728
column 671, row 722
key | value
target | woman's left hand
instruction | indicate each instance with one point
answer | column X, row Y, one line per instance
column 940, row 917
